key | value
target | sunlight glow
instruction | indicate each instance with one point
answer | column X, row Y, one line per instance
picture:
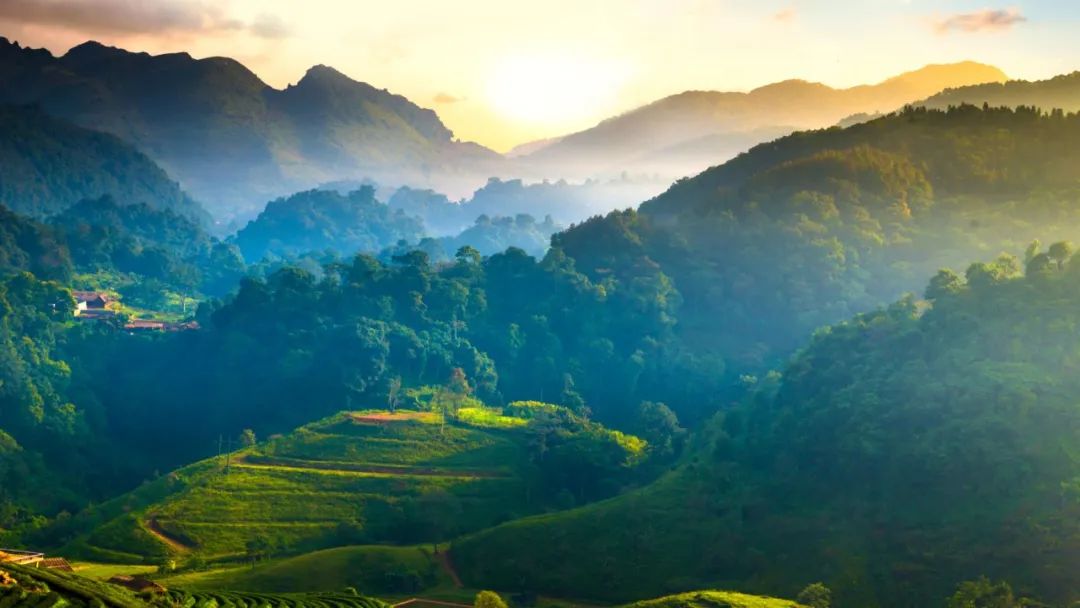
column 554, row 89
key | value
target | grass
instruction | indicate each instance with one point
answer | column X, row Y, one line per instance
column 352, row 478
column 378, row 570
column 102, row 572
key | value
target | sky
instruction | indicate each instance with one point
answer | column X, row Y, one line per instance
column 504, row 72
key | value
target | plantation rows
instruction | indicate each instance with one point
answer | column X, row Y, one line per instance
column 22, row 587
column 239, row 599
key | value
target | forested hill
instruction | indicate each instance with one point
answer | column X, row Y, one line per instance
column 902, row 452
column 48, row 164
column 817, row 226
column 319, row 220
column 232, row 140
column 1058, row 92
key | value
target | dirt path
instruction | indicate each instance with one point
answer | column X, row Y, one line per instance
column 349, row 467
column 159, row 533
column 447, row 564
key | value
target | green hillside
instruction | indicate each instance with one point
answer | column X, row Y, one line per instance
column 367, row 477
column 902, row 452
column 377, row 569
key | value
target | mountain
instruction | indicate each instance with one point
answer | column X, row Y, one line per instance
column 901, row 452
column 232, row 140
column 319, row 220
column 704, row 128
column 48, row 165
column 1061, row 92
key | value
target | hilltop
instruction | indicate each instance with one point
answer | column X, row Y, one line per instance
column 231, row 139
column 690, row 131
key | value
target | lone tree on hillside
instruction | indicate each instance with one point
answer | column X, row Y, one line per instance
column 815, row 595
column 488, row 599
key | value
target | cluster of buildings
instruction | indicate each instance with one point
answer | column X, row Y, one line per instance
column 94, row 306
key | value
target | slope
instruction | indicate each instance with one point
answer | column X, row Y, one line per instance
column 229, row 138
column 363, row 477
column 900, row 453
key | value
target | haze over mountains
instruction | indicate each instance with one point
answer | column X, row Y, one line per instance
column 233, row 141
column 688, row 132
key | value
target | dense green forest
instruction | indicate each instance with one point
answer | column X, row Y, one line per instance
column 818, row 226
column 47, row 165
column 900, row 452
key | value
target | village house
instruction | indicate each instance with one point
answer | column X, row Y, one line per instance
column 90, row 300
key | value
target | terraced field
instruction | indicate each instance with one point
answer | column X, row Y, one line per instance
column 353, row 478
column 241, row 599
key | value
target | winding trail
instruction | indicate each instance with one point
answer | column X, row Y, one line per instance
column 170, row 541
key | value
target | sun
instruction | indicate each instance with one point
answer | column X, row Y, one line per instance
column 553, row 89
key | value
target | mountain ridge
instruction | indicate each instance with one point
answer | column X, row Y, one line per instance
column 631, row 140
column 230, row 138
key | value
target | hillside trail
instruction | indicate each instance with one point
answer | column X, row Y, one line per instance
column 448, row 566
column 156, row 530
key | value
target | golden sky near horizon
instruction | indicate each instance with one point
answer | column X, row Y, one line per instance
column 503, row 72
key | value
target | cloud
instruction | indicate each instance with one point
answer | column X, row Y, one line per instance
column 133, row 17
column 987, row 20
column 269, row 26
column 785, row 16
column 445, row 98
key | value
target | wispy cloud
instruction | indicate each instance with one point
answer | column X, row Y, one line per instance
column 269, row 26
column 987, row 20
column 133, row 17
column 445, row 98
column 786, row 15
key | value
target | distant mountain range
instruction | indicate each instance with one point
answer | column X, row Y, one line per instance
column 48, row 164
column 685, row 133
column 233, row 141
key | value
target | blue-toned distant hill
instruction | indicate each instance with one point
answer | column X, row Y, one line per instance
column 319, row 220
column 47, row 165
column 232, row 140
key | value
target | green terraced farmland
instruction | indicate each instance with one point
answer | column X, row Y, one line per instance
column 354, row 478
